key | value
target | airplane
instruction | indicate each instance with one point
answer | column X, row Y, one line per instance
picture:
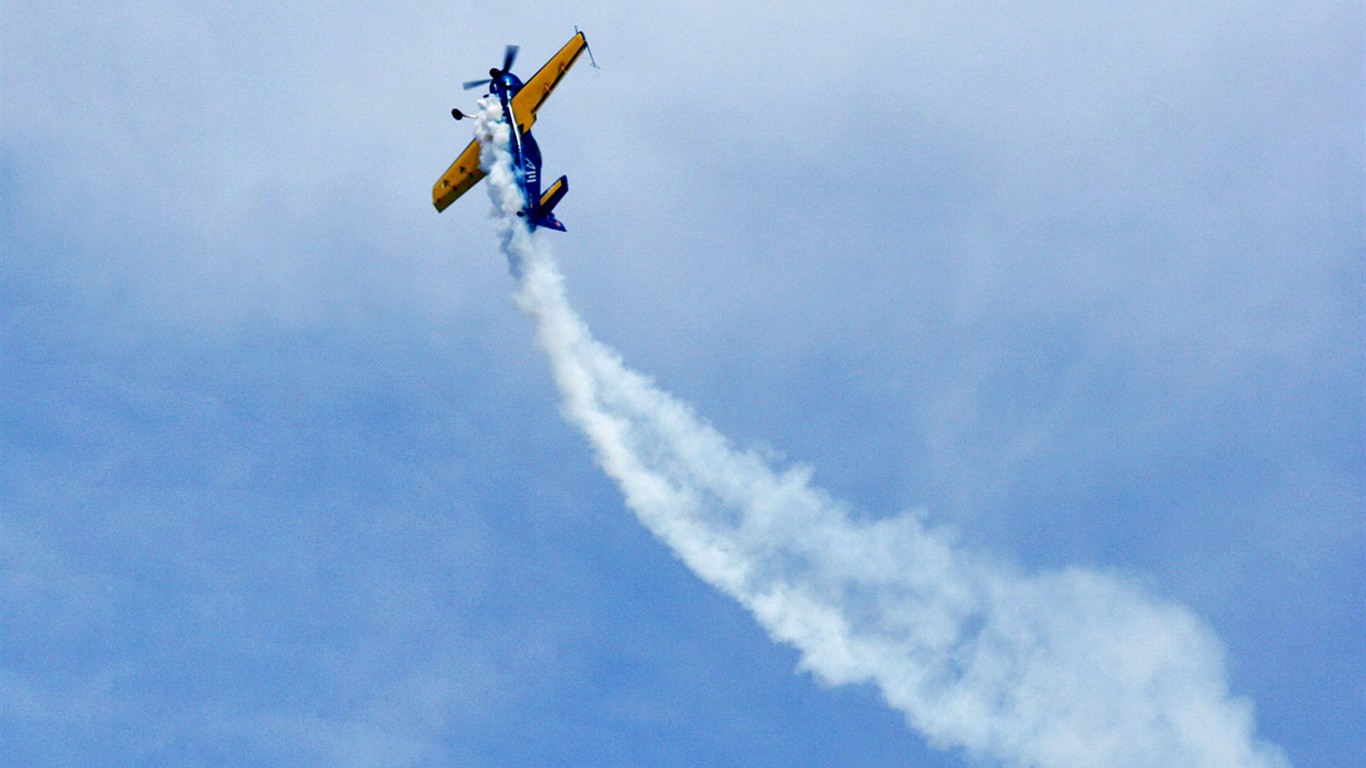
column 520, row 102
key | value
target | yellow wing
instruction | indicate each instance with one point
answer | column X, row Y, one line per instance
column 457, row 180
column 534, row 92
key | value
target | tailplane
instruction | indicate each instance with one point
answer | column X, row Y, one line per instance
column 545, row 216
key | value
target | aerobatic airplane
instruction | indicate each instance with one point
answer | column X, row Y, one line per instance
column 520, row 103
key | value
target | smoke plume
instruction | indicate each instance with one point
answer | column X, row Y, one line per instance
column 1073, row 668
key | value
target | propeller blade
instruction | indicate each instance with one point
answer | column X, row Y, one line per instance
column 509, row 56
column 476, row 83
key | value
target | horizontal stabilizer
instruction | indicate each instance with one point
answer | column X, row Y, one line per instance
column 545, row 216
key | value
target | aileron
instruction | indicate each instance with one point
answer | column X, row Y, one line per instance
column 530, row 98
column 463, row 174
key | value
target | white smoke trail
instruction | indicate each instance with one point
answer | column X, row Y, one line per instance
column 1067, row 669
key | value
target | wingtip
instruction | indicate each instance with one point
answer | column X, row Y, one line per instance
column 592, row 61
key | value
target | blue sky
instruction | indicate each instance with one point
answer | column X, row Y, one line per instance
column 284, row 479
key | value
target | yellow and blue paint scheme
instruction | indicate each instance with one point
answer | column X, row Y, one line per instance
column 520, row 103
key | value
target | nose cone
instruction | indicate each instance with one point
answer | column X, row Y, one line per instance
column 504, row 84
column 509, row 82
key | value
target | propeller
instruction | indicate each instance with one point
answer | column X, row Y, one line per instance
column 509, row 56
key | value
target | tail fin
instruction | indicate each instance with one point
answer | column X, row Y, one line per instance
column 545, row 216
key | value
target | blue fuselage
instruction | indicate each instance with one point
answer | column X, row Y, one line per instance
column 537, row 211
column 526, row 155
